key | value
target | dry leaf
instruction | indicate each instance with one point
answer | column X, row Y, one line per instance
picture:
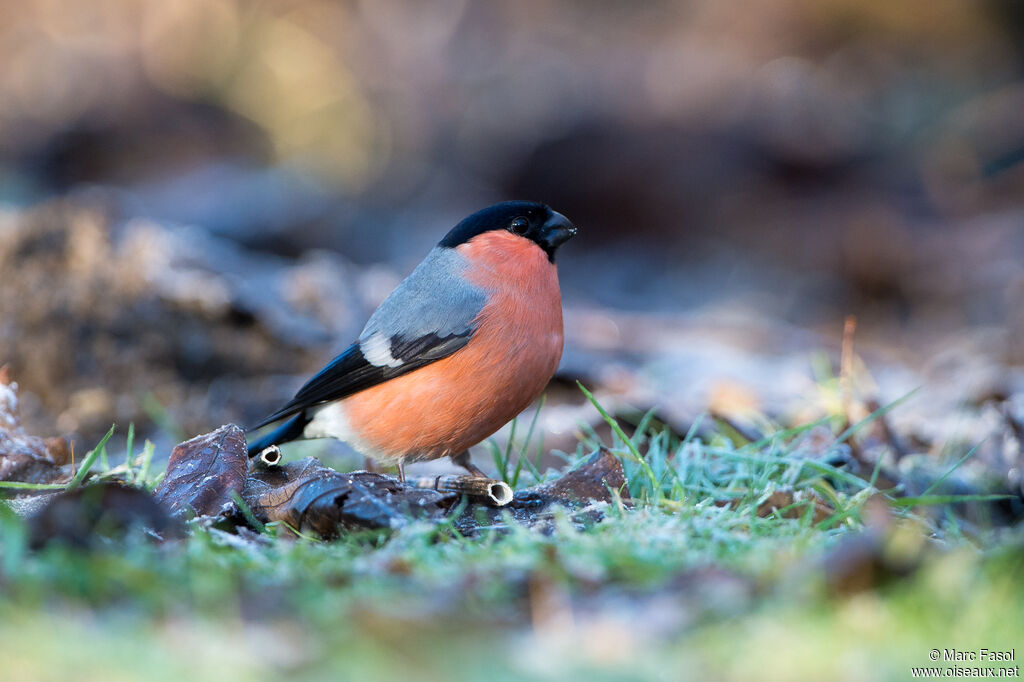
column 203, row 473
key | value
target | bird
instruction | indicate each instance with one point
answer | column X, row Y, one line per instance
column 461, row 346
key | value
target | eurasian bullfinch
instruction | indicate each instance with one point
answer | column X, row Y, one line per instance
column 457, row 350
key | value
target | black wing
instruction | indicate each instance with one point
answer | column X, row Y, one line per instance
column 351, row 372
column 430, row 315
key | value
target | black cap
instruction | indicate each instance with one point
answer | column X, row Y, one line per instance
column 536, row 222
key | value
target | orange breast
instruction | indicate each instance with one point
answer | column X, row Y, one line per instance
column 456, row 402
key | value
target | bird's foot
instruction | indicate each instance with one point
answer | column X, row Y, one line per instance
column 462, row 460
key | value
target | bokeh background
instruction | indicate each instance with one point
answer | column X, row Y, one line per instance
column 201, row 200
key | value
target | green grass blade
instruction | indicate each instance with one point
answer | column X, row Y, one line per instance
column 937, row 482
column 622, row 436
column 19, row 485
column 533, row 422
column 641, row 429
column 925, row 500
column 496, row 456
column 526, row 443
column 875, row 471
column 13, row 540
column 820, row 467
column 104, row 461
column 147, row 458
column 90, row 459
column 129, row 448
column 508, row 450
column 524, row 460
column 247, row 513
column 691, row 433
column 854, row 428
column 785, row 434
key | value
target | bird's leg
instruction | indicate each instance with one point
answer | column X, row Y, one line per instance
column 462, row 459
column 401, row 472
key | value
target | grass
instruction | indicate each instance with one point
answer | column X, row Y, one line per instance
column 690, row 582
column 135, row 470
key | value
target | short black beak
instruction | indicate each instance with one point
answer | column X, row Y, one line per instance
column 557, row 230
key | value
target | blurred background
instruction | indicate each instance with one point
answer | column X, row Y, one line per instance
column 202, row 200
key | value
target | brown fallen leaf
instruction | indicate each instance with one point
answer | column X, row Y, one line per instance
column 785, row 500
column 203, row 473
column 592, row 481
column 92, row 514
column 781, row 499
column 26, row 458
column 310, row 497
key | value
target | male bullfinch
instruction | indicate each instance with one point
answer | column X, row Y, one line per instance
column 457, row 350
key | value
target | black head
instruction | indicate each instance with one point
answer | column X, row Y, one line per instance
column 546, row 228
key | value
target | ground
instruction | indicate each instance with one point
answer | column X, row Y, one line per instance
column 724, row 559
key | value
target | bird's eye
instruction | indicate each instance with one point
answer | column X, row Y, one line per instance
column 519, row 225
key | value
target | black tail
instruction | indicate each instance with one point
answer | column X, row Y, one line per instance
column 290, row 430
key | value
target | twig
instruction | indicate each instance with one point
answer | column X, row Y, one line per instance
column 269, row 456
column 846, row 364
column 498, row 493
column 845, row 390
